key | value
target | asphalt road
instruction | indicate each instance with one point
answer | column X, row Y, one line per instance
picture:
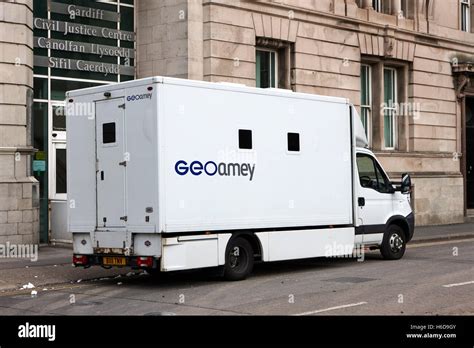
column 432, row 278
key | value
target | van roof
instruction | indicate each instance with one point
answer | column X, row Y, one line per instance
column 203, row 84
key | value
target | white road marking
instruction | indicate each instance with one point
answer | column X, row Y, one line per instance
column 458, row 284
column 332, row 308
column 423, row 244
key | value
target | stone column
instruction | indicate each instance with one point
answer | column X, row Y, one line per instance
column 339, row 7
column 162, row 38
column 195, row 40
column 19, row 191
column 351, row 8
column 472, row 17
column 397, row 8
column 367, row 4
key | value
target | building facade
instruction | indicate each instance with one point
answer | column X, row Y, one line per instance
column 406, row 64
column 47, row 48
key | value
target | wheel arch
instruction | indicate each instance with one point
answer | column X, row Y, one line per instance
column 254, row 242
column 401, row 222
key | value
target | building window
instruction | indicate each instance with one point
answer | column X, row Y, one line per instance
column 293, row 142
column 61, row 177
column 267, row 68
column 245, row 139
column 465, row 16
column 406, row 7
column 366, row 98
column 389, row 108
column 377, row 5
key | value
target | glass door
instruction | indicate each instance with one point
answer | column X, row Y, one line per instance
column 58, row 182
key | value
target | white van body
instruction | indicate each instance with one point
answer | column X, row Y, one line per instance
column 155, row 169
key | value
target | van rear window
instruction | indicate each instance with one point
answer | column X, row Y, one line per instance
column 108, row 133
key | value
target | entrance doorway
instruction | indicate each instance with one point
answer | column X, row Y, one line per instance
column 470, row 152
column 57, row 176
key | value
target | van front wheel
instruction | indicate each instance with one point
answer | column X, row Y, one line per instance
column 394, row 245
column 238, row 259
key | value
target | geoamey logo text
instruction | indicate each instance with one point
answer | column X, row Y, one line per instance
column 211, row 168
column 135, row 97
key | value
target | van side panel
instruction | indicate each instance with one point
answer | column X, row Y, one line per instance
column 212, row 184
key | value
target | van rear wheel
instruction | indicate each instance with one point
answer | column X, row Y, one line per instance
column 238, row 259
column 394, row 244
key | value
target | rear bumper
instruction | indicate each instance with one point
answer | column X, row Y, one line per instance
column 411, row 226
column 135, row 262
column 124, row 243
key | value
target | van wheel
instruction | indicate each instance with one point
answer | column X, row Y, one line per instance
column 393, row 245
column 238, row 259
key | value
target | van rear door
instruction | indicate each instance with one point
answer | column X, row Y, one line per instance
column 111, row 165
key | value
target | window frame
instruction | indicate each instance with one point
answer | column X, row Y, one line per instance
column 392, row 109
column 53, row 194
column 407, row 8
column 465, row 16
column 377, row 169
column 275, row 53
column 368, row 107
column 377, row 5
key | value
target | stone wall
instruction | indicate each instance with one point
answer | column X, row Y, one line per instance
column 162, row 38
column 19, row 191
column 169, row 38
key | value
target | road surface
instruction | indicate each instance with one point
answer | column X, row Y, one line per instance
column 432, row 278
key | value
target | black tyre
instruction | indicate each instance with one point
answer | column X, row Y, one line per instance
column 394, row 243
column 238, row 259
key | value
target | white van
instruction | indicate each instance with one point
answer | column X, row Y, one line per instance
column 168, row 174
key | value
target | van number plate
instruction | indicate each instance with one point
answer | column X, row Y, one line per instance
column 114, row 261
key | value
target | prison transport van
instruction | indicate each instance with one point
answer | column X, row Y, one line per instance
column 168, row 174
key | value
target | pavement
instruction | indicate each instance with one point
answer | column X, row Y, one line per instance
column 435, row 277
column 443, row 232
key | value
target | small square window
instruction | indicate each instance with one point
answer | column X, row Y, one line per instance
column 245, row 139
column 108, row 133
column 294, row 142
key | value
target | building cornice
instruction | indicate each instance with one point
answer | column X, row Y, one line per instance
column 348, row 23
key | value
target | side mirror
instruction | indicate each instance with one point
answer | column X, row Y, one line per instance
column 406, row 183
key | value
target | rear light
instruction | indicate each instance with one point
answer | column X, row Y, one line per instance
column 146, row 262
column 80, row 260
